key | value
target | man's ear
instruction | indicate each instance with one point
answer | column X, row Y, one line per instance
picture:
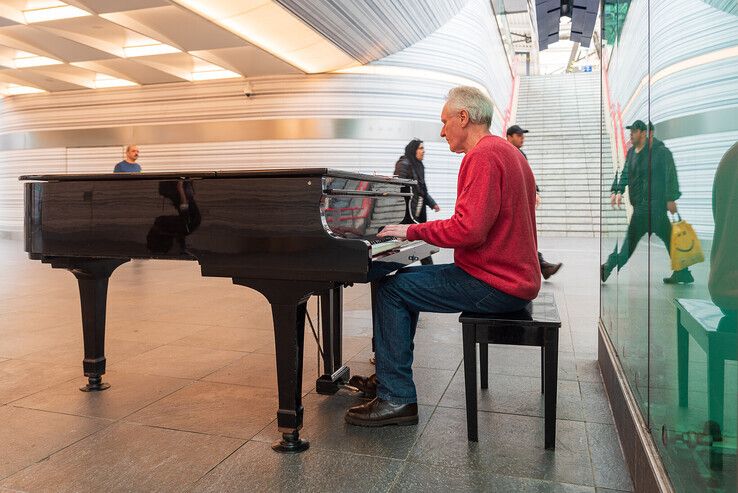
column 464, row 118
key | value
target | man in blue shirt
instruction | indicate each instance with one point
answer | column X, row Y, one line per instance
column 129, row 164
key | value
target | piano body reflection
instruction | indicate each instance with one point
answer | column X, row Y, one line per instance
column 288, row 234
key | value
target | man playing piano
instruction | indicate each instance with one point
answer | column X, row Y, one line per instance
column 495, row 269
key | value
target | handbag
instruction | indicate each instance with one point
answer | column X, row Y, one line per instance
column 685, row 248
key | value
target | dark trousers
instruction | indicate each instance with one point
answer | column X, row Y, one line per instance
column 400, row 299
column 637, row 228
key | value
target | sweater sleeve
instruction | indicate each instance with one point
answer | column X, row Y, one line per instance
column 477, row 208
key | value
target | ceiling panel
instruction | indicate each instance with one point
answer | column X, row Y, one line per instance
column 248, row 61
column 34, row 40
column 131, row 70
column 178, row 27
column 182, row 65
column 66, row 73
column 35, row 79
column 95, row 32
column 104, row 6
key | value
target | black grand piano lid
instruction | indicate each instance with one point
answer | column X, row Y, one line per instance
column 243, row 173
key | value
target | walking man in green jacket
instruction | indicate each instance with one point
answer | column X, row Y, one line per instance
column 663, row 194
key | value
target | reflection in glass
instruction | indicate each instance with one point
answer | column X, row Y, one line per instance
column 169, row 231
column 673, row 63
column 359, row 209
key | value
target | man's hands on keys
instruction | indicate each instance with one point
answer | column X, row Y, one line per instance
column 397, row 230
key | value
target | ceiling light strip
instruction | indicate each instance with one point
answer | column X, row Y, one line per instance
column 277, row 31
column 53, row 14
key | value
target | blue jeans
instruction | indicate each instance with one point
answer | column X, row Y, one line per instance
column 426, row 288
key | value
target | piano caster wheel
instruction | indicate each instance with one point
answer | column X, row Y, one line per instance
column 291, row 443
column 95, row 384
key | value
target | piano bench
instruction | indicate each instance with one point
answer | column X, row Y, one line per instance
column 536, row 325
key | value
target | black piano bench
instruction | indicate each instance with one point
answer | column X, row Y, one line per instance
column 536, row 325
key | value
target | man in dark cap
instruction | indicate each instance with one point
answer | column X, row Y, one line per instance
column 516, row 136
column 663, row 193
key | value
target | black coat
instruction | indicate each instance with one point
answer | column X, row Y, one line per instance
column 635, row 175
column 405, row 169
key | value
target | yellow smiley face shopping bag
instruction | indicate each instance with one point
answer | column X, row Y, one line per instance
column 685, row 248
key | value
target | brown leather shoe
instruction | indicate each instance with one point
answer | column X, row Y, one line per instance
column 548, row 269
column 366, row 385
column 379, row 412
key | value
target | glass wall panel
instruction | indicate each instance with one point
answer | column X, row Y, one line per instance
column 625, row 253
column 670, row 255
column 693, row 291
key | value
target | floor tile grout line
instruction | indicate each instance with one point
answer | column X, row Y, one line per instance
column 108, row 425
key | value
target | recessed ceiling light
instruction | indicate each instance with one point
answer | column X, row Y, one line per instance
column 56, row 12
column 103, row 81
column 23, row 59
column 214, row 74
column 148, row 50
column 15, row 90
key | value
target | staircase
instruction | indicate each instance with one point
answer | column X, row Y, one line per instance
column 562, row 113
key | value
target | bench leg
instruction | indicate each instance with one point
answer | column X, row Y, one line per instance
column 543, row 370
column 470, row 380
column 551, row 363
column 715, row 386
column 483, row 365
column 682, row 362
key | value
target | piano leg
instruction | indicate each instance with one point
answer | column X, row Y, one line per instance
column 334, row 373
column 289, row 340
column 92, row 276
column 289, row 306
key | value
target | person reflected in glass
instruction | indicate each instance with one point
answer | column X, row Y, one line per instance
column 410, row 166
column 516, row 136
column 663, row 193
column 169, row 232
column 723, row 283
column 129, row 164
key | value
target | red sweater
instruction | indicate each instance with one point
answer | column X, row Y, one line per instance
column 493, row 229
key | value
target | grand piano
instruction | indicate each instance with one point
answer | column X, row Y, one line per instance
column 287, row 233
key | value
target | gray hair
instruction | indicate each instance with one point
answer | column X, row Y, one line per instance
column 474, row 101
column 128, row 147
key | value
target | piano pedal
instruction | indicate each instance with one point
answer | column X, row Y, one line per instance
column 350, row 388
column 330, row 384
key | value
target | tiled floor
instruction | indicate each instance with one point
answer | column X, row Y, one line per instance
column 193, row 401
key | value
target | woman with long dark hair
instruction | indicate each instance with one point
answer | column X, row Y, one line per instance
column 410, row 165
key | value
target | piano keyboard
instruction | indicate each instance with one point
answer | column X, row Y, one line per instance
column 383, row 246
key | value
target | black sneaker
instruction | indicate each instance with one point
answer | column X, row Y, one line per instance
column 679, row 277
column 605, row 271
column 548, row 269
